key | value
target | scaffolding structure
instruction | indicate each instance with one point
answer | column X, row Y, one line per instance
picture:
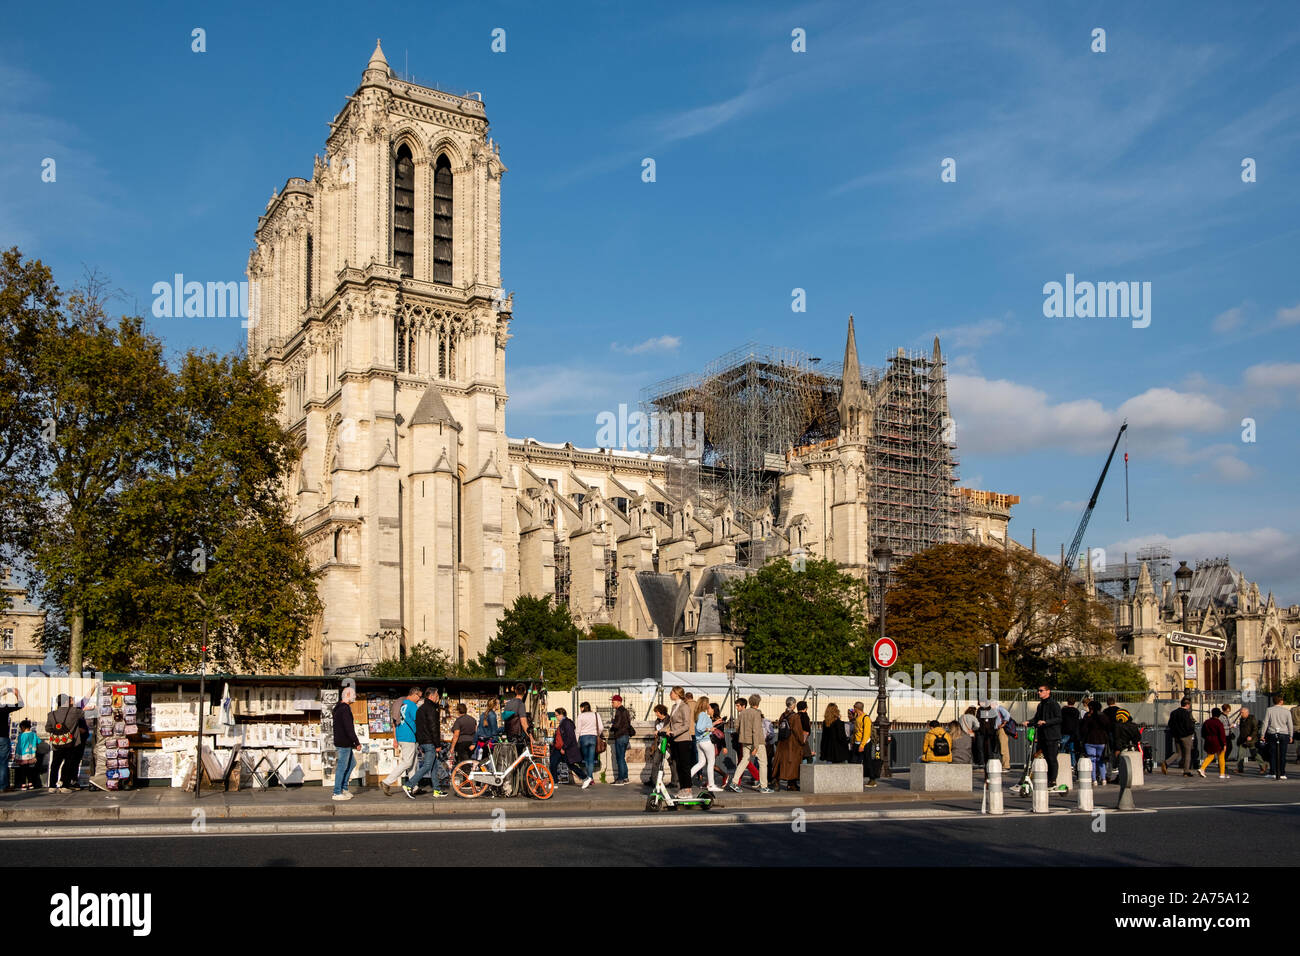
column 757, row 401
column 1120, row 580
column 913, row 501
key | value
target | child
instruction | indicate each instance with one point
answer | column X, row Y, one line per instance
column 28, row 775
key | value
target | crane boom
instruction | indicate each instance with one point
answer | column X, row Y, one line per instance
column 1087, row 512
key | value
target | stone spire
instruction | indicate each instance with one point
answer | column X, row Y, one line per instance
column 852, row 399
column 1144, row 582
column 377, row 68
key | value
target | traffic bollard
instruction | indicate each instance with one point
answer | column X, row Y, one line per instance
column 993, row 786
column 1039, row 779
column 1084, row 767
column 1125, row 788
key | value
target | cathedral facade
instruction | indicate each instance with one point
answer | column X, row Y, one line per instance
column 378, row 309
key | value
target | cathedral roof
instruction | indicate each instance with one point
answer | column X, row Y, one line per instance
column 432, row 410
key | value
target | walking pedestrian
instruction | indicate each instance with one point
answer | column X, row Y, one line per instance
column 719, row 737
column 1071, row 721
column 1095, row 736
column 863, row 749
column 620, row 735
column 704, row 744
column 1229, row 726
column 751, row 743
column 65, row 726
column 1006, row 729
column 1047, row 718
column 589, row 729
column 682, row 731
column 346, row 744
column 11, row 694
column 428, row 741
column 1248, row 742
column 1181, row 729
column 1215, row 737
column 835, row 736
column 789, row 747
column 1278, row 732
column 404, row 752
column 566, row 750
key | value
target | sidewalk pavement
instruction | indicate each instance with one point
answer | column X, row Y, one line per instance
column 314, row 802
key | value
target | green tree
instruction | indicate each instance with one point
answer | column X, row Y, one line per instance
column 535, row 635
column 420, row 661
column 799, row 622
column 1091, row 673
column 145, row 501
column 606, row 632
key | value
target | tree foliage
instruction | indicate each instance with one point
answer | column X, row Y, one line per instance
column 800, row 622
column 535, row 636
column 146, row 501
column 420, row 661
column 950, row 599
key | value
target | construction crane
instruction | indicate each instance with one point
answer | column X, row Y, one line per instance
column 1068, row 563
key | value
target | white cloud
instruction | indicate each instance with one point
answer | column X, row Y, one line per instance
column 1273, row 375
column 971, row 336
column 1267, row 556
column 565, row 390
column 1002, row 416
column 1229, row 320
column 1230, row 468
column 663, row 343
column 1289, row 316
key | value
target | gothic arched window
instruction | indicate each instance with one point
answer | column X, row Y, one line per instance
column 404, row 211
column 442, row 220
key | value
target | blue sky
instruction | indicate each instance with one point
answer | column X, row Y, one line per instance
column 775, row 170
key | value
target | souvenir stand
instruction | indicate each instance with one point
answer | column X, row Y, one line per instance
column 277, row 731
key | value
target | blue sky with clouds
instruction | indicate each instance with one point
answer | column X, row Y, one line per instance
column 775, row 170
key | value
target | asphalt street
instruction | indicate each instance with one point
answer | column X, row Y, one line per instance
column 1256, row 824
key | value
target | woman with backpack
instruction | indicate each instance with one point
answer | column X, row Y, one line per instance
column 937, row 745
column 1216, row 743
column 487, row 727
column 66, row 727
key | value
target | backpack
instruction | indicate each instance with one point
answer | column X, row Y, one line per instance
column 1012, row 728
column 769, row 732
column 395, row 711
column 988, row 722
column 784, row 732
column 940, row 747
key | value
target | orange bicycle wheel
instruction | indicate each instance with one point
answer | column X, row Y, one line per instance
column 463, row 783
column 540, row 782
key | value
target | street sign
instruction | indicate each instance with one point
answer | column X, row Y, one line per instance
column 1189, row 685
column 1189, row 666
column 884, row 652
column 1207, row 641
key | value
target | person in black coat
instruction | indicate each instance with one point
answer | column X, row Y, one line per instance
column 565, row 749
column 835, row 738
column 1047, row 718
column 1181, row 733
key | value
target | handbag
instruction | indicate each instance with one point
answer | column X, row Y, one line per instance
column 601, row 746
column 68, row 737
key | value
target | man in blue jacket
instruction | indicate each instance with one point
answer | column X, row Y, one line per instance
column 404, row 749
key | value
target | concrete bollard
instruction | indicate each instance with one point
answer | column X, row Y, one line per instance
column 1125, row 787
column 1039, row 780
column 993, row 787
column 1084, row 767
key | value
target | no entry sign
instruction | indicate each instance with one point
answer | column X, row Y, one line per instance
column 884, row 652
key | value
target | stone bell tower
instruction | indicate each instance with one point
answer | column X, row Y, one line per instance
column 377, row 306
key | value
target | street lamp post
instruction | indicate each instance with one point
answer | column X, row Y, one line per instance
column 882, row 555
column 1183, row 585
column 731, row 684
column 500, row 664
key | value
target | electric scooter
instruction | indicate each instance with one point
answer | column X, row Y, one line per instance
column 661, row 798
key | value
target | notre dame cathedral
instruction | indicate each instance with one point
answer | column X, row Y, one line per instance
column 378, row 310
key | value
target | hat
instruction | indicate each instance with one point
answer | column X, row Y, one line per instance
column 617, row 698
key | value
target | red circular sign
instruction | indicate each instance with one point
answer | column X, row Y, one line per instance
column 884, row 652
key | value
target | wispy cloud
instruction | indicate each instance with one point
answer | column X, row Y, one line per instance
column 1229, row 320
column 663, row 343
